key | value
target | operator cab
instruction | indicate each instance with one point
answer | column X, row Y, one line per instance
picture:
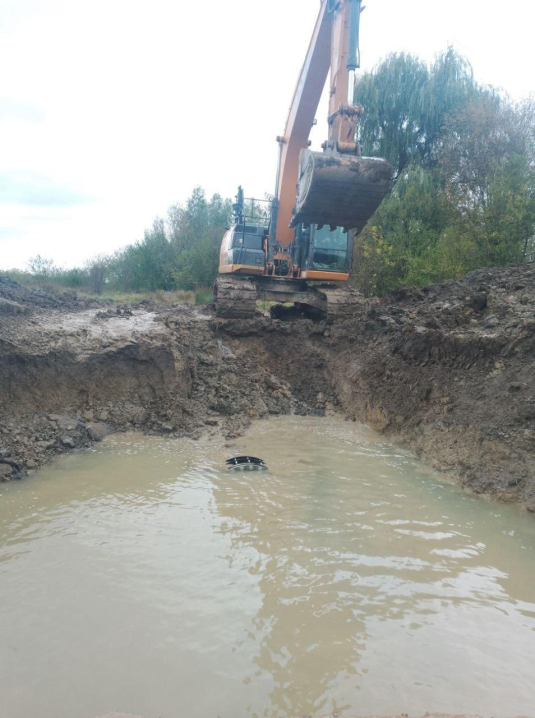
column 244, row 245
column 323, row 249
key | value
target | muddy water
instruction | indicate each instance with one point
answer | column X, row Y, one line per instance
column 142, row 577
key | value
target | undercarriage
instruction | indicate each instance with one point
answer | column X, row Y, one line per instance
column 236, row 297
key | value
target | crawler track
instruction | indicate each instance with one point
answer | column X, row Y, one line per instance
column 235, row 297
column 341, row 301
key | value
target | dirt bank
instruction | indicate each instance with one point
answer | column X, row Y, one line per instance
column 447, row 370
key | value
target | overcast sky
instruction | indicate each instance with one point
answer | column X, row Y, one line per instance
column 111, row 110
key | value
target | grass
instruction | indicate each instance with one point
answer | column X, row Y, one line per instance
column 200, row 296
column 204, row 295
column 119, row 297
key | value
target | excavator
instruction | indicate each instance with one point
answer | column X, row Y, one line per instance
column 301, row 253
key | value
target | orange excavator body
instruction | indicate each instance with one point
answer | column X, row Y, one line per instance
column 321, row 198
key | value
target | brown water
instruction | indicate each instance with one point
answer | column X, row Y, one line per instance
column 141, row 576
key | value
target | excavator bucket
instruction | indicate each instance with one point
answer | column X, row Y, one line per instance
column 340, row 190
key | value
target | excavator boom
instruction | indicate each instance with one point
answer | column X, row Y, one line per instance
column 336, row 187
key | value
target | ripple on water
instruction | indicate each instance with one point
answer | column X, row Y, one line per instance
column 349, row 577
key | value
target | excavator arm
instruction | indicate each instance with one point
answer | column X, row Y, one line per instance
column 336, row 187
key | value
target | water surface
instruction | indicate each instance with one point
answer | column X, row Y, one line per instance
column 142, row 576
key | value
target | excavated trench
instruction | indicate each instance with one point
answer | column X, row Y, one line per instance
column 447, row 370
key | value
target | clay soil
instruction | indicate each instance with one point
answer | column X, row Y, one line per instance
column 447, row 371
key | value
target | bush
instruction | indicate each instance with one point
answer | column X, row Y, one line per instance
column 74, row 278
column 97, row 270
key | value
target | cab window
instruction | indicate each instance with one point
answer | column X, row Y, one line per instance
column 331, row 249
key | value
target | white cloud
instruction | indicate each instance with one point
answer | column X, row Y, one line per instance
column 135, row 103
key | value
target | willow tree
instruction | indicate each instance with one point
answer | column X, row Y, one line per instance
column 406, row 102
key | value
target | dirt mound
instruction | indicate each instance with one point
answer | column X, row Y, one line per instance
column 16, row 299
column 10, row 291
column 502, row 298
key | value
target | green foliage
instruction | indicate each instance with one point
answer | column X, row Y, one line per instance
column 75, row 278
column 43, row 273
column 195, row 234
column 175, row 256
column 97, row 272
column 464, row 159
column 406, row 102
column 181, row 252
column 42, row 267
column 26, row 278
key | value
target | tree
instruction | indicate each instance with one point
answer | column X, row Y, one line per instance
column 156, row 258
column 181, row 252
column 42, row 267
column 96, row 270
column 195, row 233
column 406, row 102
column 464, row 159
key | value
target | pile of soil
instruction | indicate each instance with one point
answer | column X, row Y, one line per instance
column 447, row 370
column 15, row 299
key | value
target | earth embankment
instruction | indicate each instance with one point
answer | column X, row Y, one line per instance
column 447, row 370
